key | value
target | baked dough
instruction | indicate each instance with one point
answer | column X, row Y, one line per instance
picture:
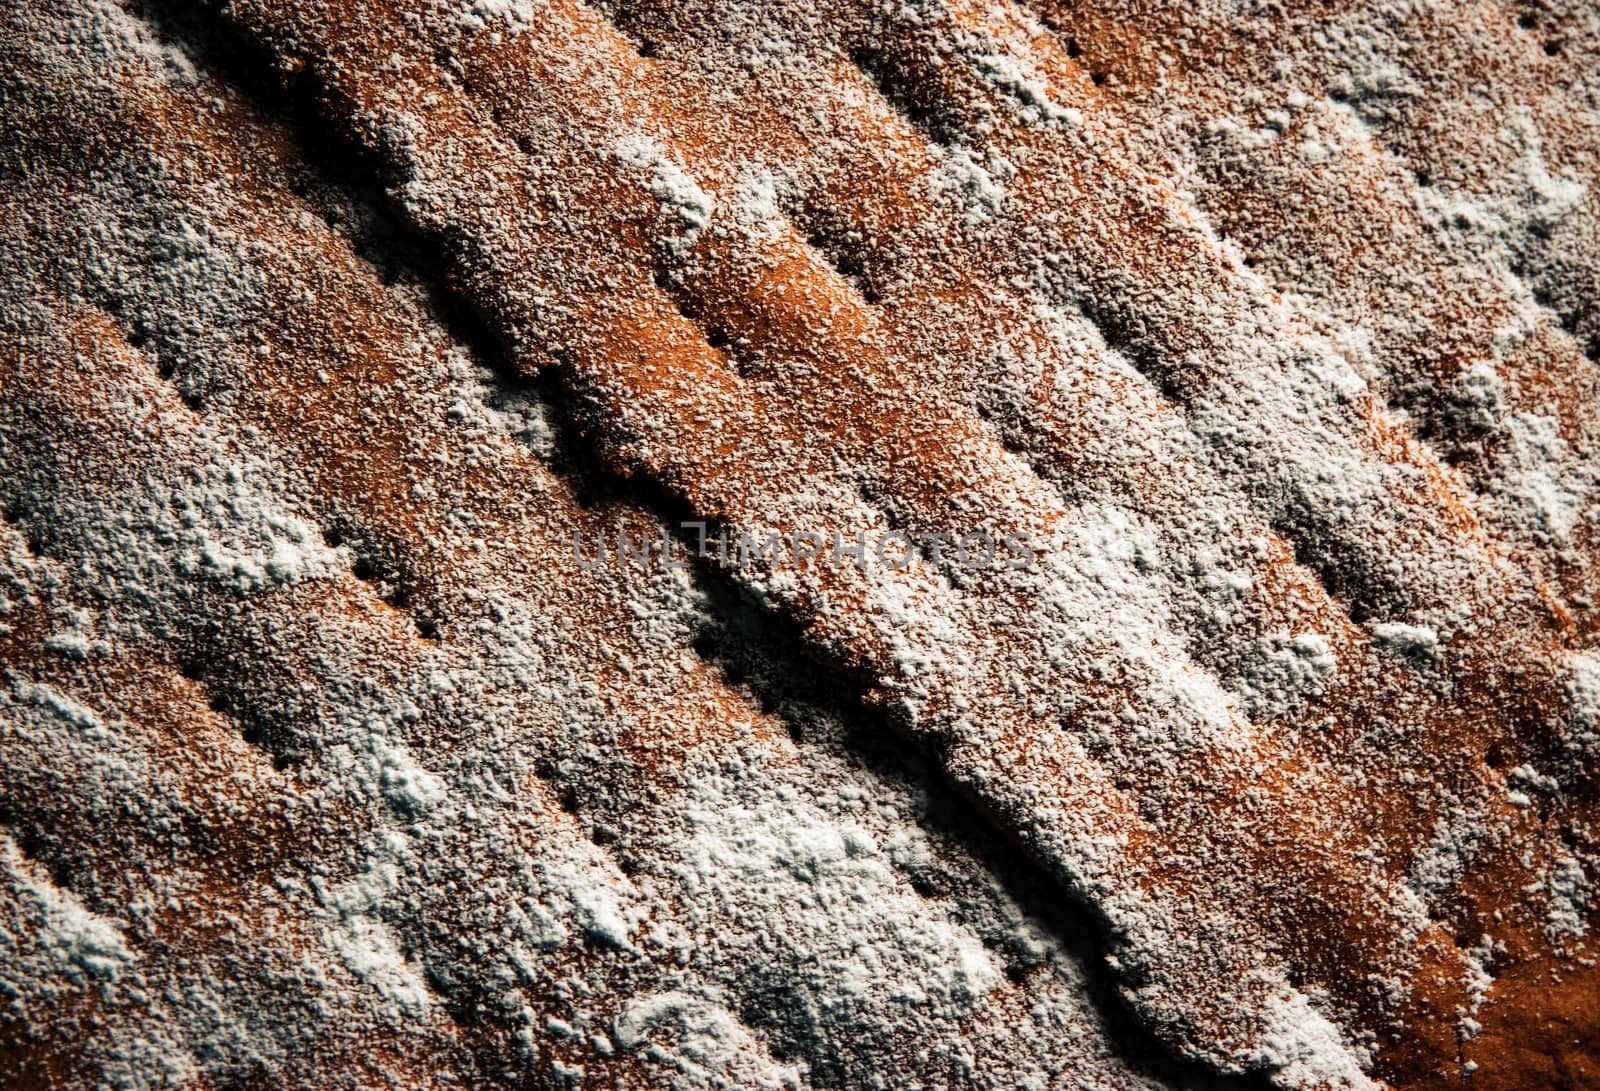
column 330, row 327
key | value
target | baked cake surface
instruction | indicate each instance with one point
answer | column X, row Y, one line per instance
column 1256, row 747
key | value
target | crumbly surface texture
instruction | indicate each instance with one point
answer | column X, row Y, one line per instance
column 328, row 328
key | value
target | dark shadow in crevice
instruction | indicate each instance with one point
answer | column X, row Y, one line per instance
column 752, row 644
column 768, row 653
column 899, row 89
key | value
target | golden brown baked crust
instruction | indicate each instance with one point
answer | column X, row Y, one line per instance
column 1300, row 702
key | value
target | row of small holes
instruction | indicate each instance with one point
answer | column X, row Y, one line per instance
column 364, row 570
column 140, row 340
column 1529, row 21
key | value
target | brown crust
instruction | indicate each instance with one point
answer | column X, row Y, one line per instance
column 830, row 360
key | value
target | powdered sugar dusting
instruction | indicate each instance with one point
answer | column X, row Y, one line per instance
column 1292, row 409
